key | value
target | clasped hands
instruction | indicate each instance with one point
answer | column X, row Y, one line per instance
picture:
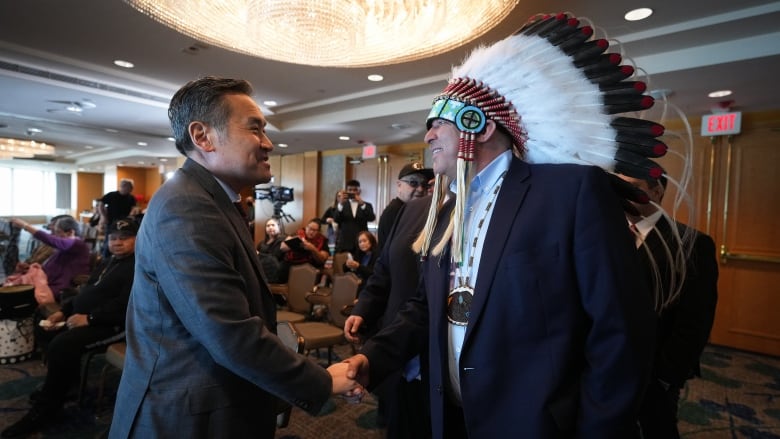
column 73, row 321
column 350, row 377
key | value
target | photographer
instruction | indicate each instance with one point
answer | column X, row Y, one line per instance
column 353, row 216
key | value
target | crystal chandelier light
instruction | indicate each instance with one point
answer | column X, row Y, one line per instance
column 15, row 148
column 332, row 33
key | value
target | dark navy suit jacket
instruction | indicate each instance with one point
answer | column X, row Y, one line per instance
column 561, row 334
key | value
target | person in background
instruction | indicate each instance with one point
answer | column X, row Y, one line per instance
column 71, row 255
column 312, row 247
column 413, row 182
column 115, row 205
column 94, row 221
column 352, row 216
column 202, row 358
column 41, row 252
column 93, row 317
column 362, row 262
column 402, row 396
column 687, row 310
column 270, row 251
column 327, row 218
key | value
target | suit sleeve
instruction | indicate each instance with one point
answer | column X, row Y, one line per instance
column 203, row 279
column 390, row 349
column 694, row 314
column 619, row 345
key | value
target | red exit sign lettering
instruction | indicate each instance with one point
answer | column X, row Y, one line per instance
column 369, row 151
column 721, row 124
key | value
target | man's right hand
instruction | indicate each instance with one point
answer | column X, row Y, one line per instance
column 351, row 328
column 357, row 369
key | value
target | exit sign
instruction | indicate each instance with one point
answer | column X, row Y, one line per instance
column 369, row 151
column 721, row 124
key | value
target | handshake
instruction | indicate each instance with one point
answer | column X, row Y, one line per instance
column 350, row 377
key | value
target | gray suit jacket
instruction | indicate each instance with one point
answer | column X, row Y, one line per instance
column 202, row 357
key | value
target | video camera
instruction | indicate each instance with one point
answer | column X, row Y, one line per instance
column 275, row 194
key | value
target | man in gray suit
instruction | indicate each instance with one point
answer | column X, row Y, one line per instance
column 202, row 357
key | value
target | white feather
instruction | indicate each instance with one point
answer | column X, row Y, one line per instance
column 560, row 110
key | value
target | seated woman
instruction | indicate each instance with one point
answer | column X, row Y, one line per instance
column 308, row 245
column 270, row 251
column 41, row 252
column 71, row 254
column 96, row 314
column 362, row 263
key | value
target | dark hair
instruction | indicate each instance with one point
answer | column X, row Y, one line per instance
column 67, row 223
column 202, row 100
column 353, row 183
column 371, row 238
column 315, row 220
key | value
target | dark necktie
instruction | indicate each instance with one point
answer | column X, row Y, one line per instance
column 241, row 210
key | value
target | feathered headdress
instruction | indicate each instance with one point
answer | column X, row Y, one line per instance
column 553, row 88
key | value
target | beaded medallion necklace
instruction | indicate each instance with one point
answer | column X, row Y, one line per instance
column 459, row 299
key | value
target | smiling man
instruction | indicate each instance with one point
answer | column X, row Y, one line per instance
column 202, row 357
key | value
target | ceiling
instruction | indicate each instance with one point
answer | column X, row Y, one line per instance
column 54, row 50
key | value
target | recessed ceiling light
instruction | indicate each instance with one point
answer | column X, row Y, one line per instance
column 270, row 103
column 123, row 64
column 281, row 145
column 343, row 137
column 720, row 93
column 375, row 78
column 163, row 159
column 89, row 147
column 638, row 14
column 111, row 130
column 171, row 139
column 34, row 130
column 142, row 143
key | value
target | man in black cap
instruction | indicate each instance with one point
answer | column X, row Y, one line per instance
column 412, row 183
column 94, row 317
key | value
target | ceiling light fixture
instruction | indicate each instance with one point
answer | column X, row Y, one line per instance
column 334, row 33
column 720, row 94
column 375, row 78
column 16, row 148
column 343, row 137
column 270, row 103
column 281, row 145
column 638, row 14
column 123, row 64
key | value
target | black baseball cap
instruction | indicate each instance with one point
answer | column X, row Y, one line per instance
column 415, row 168
column 124, row 227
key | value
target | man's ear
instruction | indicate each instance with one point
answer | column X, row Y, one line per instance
column 487, row 132
column 658, row 192
column 199, row 133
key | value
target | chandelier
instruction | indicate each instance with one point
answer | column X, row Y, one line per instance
column 15, row 148
column 331, row 33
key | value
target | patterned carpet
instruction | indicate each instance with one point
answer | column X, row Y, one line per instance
column 737, row 397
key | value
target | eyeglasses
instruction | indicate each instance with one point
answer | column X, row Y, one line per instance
column 415, row 184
